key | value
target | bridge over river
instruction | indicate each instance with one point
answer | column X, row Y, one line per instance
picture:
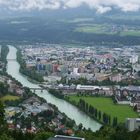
column 37, row 89
column 11, row 60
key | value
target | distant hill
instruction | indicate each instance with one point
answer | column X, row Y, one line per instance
column 61, row 26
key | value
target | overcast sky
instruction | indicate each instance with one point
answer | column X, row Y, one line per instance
column 101, row 6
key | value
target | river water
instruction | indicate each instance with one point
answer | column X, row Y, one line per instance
column 63, row 106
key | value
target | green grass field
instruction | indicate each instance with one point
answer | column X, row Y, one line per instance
column 101, row 29
column 87, row 27
column 9, row 98
column 130, row 33
column 106, row 105
column 94, row 28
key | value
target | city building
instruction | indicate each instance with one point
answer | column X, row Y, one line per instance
column 87, row 87
column 132, row 124
column 134, row 59
column 116, row 78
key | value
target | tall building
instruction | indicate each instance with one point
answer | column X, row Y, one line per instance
column 49, row 67
column 40, row 67
column 55, row 68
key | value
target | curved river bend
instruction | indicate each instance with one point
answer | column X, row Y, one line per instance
column 70, row 110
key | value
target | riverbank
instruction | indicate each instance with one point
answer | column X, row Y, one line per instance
column 4, row 53
column 59, row 94
column 100, row 108
column 30, row 73
column 103, row 109
column 76, row 105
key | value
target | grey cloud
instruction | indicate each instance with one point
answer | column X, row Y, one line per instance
column 101, row 6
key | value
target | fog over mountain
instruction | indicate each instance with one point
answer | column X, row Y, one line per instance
column 10, row 7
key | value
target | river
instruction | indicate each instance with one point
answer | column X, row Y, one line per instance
column 63, row 106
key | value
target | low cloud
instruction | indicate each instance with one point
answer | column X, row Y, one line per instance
column 101, row 6
column 102, row 9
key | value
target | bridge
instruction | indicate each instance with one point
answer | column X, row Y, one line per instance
column 14, row 59
column 11, row 59
column 37, row 89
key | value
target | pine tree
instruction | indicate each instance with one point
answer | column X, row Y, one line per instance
column 2, row 121
column 99, row 115
column 115, row 121
column 96, row 113
column 87, row 107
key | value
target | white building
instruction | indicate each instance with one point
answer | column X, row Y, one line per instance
column 75, row 71
column 87, row 87
column 134, row 59
column 132, row 124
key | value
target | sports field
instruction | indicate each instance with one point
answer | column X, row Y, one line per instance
column 107, row 106
column 9, row 98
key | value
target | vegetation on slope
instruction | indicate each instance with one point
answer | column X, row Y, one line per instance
column 3, row 56
column 105, row 133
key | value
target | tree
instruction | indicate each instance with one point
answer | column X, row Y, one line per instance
column 70, row 123
column 115, row 121
column 5, row 137
column 3, row 89
column 63, row 121
column 139, row 73
column 90, row 109
column 93, row 111
column 135, row 108
column 43, row 136
column 2, row 122
column 96, row 112
column 109, row 119
column 80, row 126
column 99, row 115
column 57, row 93
column 87, row 107
column 82, row 104
column 105, row 118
